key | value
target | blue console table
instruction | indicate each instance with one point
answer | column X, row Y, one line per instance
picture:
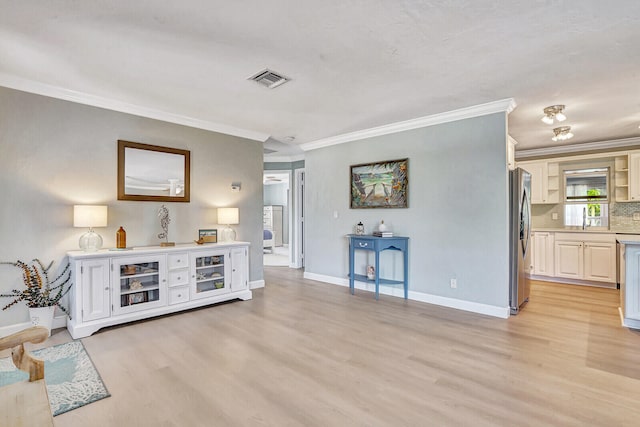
column 377, row 245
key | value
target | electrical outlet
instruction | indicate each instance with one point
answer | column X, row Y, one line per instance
column 554, row 215
column 636, row 216
column 453, row 283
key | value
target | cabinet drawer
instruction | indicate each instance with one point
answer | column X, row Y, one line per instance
column 178, row 261
column 178, row 295
column 179, row 277
column 362, row 244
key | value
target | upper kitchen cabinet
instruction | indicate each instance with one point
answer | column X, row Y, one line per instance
column 621, row 178
column 511, row 153
column 545, row 181
column 634, row 176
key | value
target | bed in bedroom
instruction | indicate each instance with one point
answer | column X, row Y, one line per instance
column 267, row 241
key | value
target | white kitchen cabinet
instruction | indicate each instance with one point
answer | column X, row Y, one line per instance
column 511, row 153
column 542, row 252
column 584, row 256
column 545, row 181
column 621, row 178
column 600, row 262
column 93, row 280
column 569, row 259
column 634, row 176
column 114, row 287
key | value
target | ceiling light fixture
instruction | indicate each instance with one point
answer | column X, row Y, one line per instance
column 562, row 133
column 553, row 112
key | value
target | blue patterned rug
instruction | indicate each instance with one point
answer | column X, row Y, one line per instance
column 72, row 380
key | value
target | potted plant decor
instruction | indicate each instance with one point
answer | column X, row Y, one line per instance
column 41, row 294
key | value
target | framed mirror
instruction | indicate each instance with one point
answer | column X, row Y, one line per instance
column 153, row 173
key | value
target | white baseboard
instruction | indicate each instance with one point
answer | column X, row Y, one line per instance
column 58, row 322
column 474, row 307
column 629, row 323
column 255, row 284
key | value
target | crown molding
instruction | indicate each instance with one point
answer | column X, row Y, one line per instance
column 284, row 159
column 503, row 105
column 578, row 148
column 57, row 92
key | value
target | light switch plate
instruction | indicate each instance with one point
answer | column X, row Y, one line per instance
column 554, row 215
column 636, row 216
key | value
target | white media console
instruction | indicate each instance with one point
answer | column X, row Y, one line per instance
column 112, row 287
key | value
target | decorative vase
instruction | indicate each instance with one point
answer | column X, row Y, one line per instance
column 121, row 238
column 42, row 316
column 382, row 227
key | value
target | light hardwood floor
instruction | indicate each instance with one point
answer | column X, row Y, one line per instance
column 307, row 353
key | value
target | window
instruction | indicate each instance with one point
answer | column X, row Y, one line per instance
column 586, row 197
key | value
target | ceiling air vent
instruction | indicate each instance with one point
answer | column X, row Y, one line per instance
column 269, row 78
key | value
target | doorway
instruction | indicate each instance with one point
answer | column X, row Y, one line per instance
column 277, row 218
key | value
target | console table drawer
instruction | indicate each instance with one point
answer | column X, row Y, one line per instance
column 363, row 244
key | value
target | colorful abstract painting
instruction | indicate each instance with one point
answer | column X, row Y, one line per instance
column 380, row 185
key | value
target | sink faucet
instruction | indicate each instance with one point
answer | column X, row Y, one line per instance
column 584, row 218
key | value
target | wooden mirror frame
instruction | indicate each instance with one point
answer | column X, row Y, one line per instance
column 122, row 145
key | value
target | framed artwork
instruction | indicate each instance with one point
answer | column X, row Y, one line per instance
column 380, row 184
column 209, row 235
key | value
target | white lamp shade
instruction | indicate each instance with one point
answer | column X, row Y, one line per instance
column 228, row 216
column 89, row 216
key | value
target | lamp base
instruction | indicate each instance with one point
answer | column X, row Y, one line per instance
column 228, row 235
column 90, row 241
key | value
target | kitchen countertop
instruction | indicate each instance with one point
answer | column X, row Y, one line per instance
column 621, row 235
column 577, row 230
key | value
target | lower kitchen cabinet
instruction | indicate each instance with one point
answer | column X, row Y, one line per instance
column 542, row 251
column 600, row 262
column 588, row 257
column 569, row 259
column 114, row 287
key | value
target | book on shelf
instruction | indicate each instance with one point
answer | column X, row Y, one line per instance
column 383, row 233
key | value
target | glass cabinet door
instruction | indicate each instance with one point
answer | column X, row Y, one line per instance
column 209, row 273
column 139, row 283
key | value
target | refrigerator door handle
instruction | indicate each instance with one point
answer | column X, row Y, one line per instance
column 525, row 222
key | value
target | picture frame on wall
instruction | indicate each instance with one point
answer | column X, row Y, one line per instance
column 380, row 184
column 208, row 235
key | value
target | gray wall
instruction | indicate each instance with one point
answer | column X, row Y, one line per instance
column 54, row 154
column 457, row 215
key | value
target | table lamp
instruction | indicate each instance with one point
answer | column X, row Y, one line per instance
column 228, row 216
column 90, row 216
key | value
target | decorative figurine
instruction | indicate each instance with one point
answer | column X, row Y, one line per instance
column 371, row 272
column 163, row 214
column 360, row 229
column 136, row 284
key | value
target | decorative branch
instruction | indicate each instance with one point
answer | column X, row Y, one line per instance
column 39, row 292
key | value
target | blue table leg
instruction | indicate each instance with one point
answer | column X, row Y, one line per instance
column 406, row 274
column 351, row 278
column 377, row 273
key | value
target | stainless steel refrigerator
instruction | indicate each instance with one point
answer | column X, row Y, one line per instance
column 519, row 237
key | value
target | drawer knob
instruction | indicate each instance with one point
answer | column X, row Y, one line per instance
column 179, row 295
column 179, row 277
column 106, row 289
column 178, row 261
column 362, row 244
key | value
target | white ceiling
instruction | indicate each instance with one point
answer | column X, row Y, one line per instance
column 354, row 64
